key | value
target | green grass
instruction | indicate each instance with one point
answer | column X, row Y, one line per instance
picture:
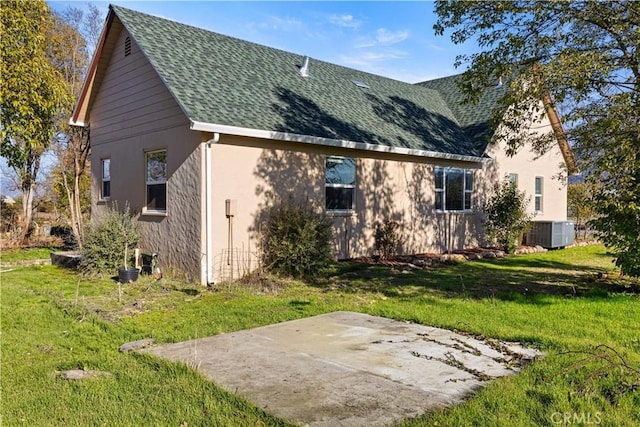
column 26, row 254
column 554, row 301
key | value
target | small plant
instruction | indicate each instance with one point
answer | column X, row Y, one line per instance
column 387, row 239
column 297, row 240
column 506, row 215
column 109, row 242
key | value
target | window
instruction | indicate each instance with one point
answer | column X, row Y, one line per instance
column 105, row 193
column 538, row 194
column 513, row 178
column 454, row 189
column 340, row 183
column 156, row 180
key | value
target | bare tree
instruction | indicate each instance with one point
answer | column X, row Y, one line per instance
column 73, row 40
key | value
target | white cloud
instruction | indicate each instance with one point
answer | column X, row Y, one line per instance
column 387, row 37
column 368, row 59
column 383, row 37
column 280, row 24
column 364, row 42
column 346, row 21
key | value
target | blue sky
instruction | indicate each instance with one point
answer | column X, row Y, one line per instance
column 393, row 39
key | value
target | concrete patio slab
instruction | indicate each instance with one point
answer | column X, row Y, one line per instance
column 348, row 369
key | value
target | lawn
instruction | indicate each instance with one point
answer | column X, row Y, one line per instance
column 22, row 254
column 566, row 303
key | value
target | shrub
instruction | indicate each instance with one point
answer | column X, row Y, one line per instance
column 387, row 239
column 507, row 217
column 109, row 242
column 297, row 240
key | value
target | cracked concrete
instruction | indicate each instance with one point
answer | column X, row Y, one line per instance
column 348, row 368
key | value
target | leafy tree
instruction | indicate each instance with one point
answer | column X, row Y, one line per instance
column 579, row 204
column 32, row 93
column 506, row 215
column 581, row 57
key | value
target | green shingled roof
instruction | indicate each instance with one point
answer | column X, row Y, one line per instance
column 222, row 80
column 475, row 119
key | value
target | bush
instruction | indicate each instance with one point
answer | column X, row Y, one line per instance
column 109, row 242
column 507, row 217
column 297, row 240
column 387, row 239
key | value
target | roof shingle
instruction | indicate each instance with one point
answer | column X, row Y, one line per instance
column 226, row 81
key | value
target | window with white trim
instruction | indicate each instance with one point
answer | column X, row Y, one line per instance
column 454, row 189
column 340, row 184
column 156, row 180
column 105, row 190
column 538, row 193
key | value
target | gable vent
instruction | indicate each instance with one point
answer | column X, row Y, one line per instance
column 304, row 70
column 360, row 84
column 127, row 46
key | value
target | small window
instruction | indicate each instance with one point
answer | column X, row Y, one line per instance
column 340, row 184
column 156, row 162
column 538, row 194
column 127, row 46
column 513, row 178
column 454, row 189
column 106, row 179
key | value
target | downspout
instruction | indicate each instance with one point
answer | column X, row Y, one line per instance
column 208, row 210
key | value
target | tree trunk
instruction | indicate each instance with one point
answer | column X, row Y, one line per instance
column 79, row 226
column 28, row 178
column 27, row 211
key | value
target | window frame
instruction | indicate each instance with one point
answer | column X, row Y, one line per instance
column 341, row 186
column 443, row 190
column 538, row 194
column 104, row 180
column 147, row 209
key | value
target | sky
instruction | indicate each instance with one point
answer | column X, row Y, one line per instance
column 390, row 38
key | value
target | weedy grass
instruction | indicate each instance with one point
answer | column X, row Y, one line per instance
column 567, row 303
column 26, row 254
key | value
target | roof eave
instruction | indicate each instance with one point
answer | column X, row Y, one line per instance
column 330, row 142
column 561, row 136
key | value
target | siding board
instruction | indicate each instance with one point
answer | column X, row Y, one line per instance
column 132, row 100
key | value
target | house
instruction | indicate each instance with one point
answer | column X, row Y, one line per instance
column 199, row 133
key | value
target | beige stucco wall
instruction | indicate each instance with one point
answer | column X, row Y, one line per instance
column 528, row 165
column 258, row 173
column 133, row 113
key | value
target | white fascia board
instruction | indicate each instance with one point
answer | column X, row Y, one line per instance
column 340, row 143
column 79, row 123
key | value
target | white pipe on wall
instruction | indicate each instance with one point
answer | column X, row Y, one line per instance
column 208, row 207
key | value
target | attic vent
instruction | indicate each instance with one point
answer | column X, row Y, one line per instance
column 304, row 70
column 360, row 84
column 127, row 46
